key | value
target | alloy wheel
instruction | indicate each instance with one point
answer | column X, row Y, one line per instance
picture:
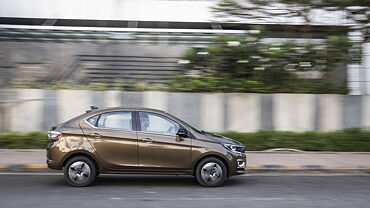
column 79, row 172
column 211, row 172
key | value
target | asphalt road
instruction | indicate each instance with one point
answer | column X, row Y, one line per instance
column 50, row 190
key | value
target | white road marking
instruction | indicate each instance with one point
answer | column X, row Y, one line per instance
column 209, row 198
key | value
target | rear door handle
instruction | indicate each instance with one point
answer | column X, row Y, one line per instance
column 147, row 140
column 95, row 135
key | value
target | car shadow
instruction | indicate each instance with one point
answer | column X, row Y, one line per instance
column 144, row 180
column 149, row 180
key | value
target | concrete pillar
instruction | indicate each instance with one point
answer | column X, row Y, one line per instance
column 294, row 112
column 156, row 100
column 366, row 111
column 71, row 103
column 185, row 106
column 50, row 109
column 98, row 99
column 212, row 111
column 266, row 112
column 27, row 110
column 132, row 99
column 2, row 117
column 243, row 112
column 7, row 97
column 113, row 99
column 352, row 111
column 330, row 116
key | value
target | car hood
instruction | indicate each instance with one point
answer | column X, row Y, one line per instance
column 220, row 139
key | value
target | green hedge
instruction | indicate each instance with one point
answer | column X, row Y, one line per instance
column 183, row 83
column 349, row 140
column 30, row 140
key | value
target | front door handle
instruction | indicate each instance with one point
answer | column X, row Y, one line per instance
column 95, row 135
column 147, row 140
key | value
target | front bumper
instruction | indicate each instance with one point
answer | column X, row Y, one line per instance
column 241, row 162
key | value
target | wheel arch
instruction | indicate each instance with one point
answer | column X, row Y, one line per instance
column 80, row 153
column 202, row 157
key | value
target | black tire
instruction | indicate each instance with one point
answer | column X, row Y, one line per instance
column 204, row 167
column 80, row 171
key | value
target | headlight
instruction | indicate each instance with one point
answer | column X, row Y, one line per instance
column 235, row 148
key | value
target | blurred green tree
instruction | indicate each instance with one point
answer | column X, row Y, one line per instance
column 355, row 11
column 248, row 64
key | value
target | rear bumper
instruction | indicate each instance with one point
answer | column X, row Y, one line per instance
column 55, row 152
column 53, row 155
column 53, row 165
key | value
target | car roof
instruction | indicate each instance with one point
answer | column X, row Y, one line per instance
column 127, row 109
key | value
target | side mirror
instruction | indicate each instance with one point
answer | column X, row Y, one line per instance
column 182, row 133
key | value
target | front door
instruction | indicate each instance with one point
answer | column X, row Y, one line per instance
column 158, row 145
column 113, row 136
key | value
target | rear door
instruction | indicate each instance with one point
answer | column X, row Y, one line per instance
column 158, row 145
column 114, row 137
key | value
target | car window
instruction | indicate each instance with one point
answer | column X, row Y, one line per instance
column 93, row 120
column 155, row 123
column 116, row 120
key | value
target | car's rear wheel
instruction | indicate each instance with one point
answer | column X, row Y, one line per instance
column 211, row 172
column 80, row 171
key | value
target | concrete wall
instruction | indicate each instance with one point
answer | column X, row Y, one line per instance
column 34, row 109
column 73, row 61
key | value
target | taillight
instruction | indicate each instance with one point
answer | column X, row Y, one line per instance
column 54, row 135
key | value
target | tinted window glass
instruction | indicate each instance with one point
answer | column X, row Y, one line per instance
column 116, row 120
column 93, row 120
column 155, row 123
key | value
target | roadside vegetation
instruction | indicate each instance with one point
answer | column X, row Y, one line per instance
column 250, row 64
column 348, row 140
column 30, row 140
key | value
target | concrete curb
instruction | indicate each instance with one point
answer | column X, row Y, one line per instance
column 305, row 169
column 306, row 153
column 25, row 168
column 312, row 169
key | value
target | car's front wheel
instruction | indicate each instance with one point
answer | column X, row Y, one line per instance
column 211, row 172
column 80, row 171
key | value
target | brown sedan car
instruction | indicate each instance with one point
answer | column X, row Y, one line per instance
column 140, row 140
